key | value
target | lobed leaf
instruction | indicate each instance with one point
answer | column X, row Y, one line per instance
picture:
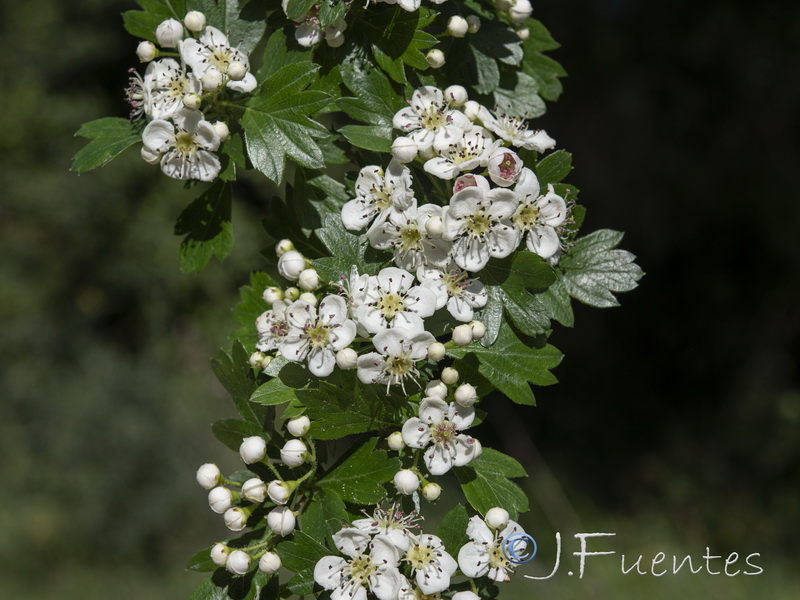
column 109, row 137
column 359, row 476
column 486, row 484
column 206, row 223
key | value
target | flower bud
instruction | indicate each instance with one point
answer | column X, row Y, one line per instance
column 478, row 448
column 281, row 521
column 436, row 388
column 220, row 499
column 427, row 153
column 235, row 519
column 219, row 554
column 283, row 247
column 253, row 449
column 521, row 10
column 293, row 453
column 431, row 491
column 194, row 20
column 211, row 80
column 406, row 482
column 462, row 335
column 503, row 5
column 404, row 149
column 434, row 226
column 449, row 375
column 456, row 95
column 435, row 58
column 272, row 295
column 466, row 595
column 346, row 358
column 466, row 395
column 291, row 264
column 221, row 127
column 524, row 34
column 237, row 70
column 457, row 26
column 497, row 518
column 254, row 490
column 308, row 280
column 299, row 425
column 269, row 563
column 278, row 491
column 146, row 51
column 504, row 167
column 169, row 33
column 265, row 362
column 238, row 562
column 395, row 441
column 309, row 297
column 291, row 294
column 192, row 101
column 478, row 330
column 436, row 351
column 472, row 109
column 256, row 360
column 334, row 37
column 473, row 23
column 208, row 476
column 151, row 157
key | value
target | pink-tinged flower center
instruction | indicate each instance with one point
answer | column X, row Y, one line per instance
column 508, row 167
column 318, row 335
column 464, row 182
column 443, row 433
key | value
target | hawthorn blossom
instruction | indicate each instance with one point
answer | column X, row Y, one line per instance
column 392, row 301
column 430, row 121
column 471, row 151
column 166, row 83
column 413, row 246
column 393, row 523
column 317, row 334
column 504, row 167
column 454, row 288
column 478, row 223
column 272, row 327
column 372, row 567
column 436, row 430
column 186, row 148
column 515, row 131
column 484, row 554
column 432, row 565
column 398, row 351
column 537, row 216
column 407, row 5
column 378, row 196
column 211, row 52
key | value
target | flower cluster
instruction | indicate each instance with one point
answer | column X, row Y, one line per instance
column 310, row 31
column 171, row 93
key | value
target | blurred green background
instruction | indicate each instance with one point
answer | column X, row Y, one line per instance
column 676, row 422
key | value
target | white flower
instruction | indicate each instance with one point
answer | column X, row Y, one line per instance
column 477, row 221
column 167, row 84
column 454, row 288
column 391, row 301
column 429, row 121
column 515, row 131
column 504, row 167
column 537, row 216
column 466, row 595
column 431, row 563
column 393, row 523
column 309, row 33
column 484, row 554
column 378, row 196
column 212, row 52
column 272, row 327
column 397, row 352
column 406, row 232
column 188, row 150
column 436, row 430
column 375, row 571
column 471, row 151
column 317, row 338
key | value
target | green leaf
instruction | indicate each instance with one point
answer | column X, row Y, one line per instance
column 143, row 23
column 369, row 137
column 376, row 101
column 453, row 529
column 593, row 269
column 553, row 167
column 393, row 67
column 206, row 223
column 539, row 39
column 546, row 73
column 360, row 475
column 485, row 482
column 231, row 432
column 511, row 365
column 399, row 34
column 235, row 374
column 298, row 8
column 278, row 55
column 254, row 585
column 347, row 250
column 522, row 100
column 302, row 583
column 109, row 137
column 291, row 379
column 301, row 553
column 324, row 516
column 557, row 303
column 331, row 10
column 244, row 30
column 250, row 306
column 233, row 149
column 277, row 124
column 201, row 561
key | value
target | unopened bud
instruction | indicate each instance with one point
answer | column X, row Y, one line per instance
column 272, row 295
column 472, row 109
column 308, row 280
column 457, row 26
column 435, row 58
column 436, row 389
column 265, row 362
column 395, row 441
column 465, row 595
column 235, row 519
column 436, row 351
column 220, row 499
column 404, row 149
column 309, row 297
column 524, row 33
column 281, row 521
column 192, row 101
column 478, row 330
column 299, row 425
column 194, row 20
column 283, row 246
column 434, row 226
column 254, row 490
column 219, row 554
column 346, row 358
column 466, row 395
column 497, row 518
column 449, row 375
column 238, row 562
column 146, row 51
column 237, row 70
column 256, row 360
column 253, row 449
column 293, row 453
column 334, row 38
column 431, row 491
column 208, row 476
column 169, row 33
column 211, row 80
column 456, row 95
column 222, row 130
column 406, row 482
column 291, row 264
column 521, row 10
column 473, row 23
column 269, row 563
column 291, row 294
column 278, row 491
column 462, row 335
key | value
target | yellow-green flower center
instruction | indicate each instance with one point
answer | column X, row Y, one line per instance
column 318, row 335
column 419, row 556
column 184, row 143
column 432, row 118
column 478, row 223
column 361, row 569
column 399, row 366
column 526, row 216
column 410, row 237
column 390, row 305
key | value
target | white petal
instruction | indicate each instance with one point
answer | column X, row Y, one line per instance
column 370, row 367
column 245, row 85
column 356, row 215
column 351, row 541
column 332, row 310
column 383, row 551
column 543, row 241
column 389, row 342
column 431, row 581
column 204, row 166
column 321, row 361
column 385, row 584
column 343, row 335
column 294, row 347
column 159, row 135
column 438, row 459
column 416, row 433
column 478, row 531
column 460, row 309
column 503, row 240
column 465, row 450
column 328, row 571
column 300, row 314
column 527, row 185
column 433, row 410
column 421, row 300
column 441, row 168
column 473, row 560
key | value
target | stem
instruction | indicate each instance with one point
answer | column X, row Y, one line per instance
column 274, row 470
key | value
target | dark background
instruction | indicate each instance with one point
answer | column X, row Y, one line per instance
column 676, row 422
